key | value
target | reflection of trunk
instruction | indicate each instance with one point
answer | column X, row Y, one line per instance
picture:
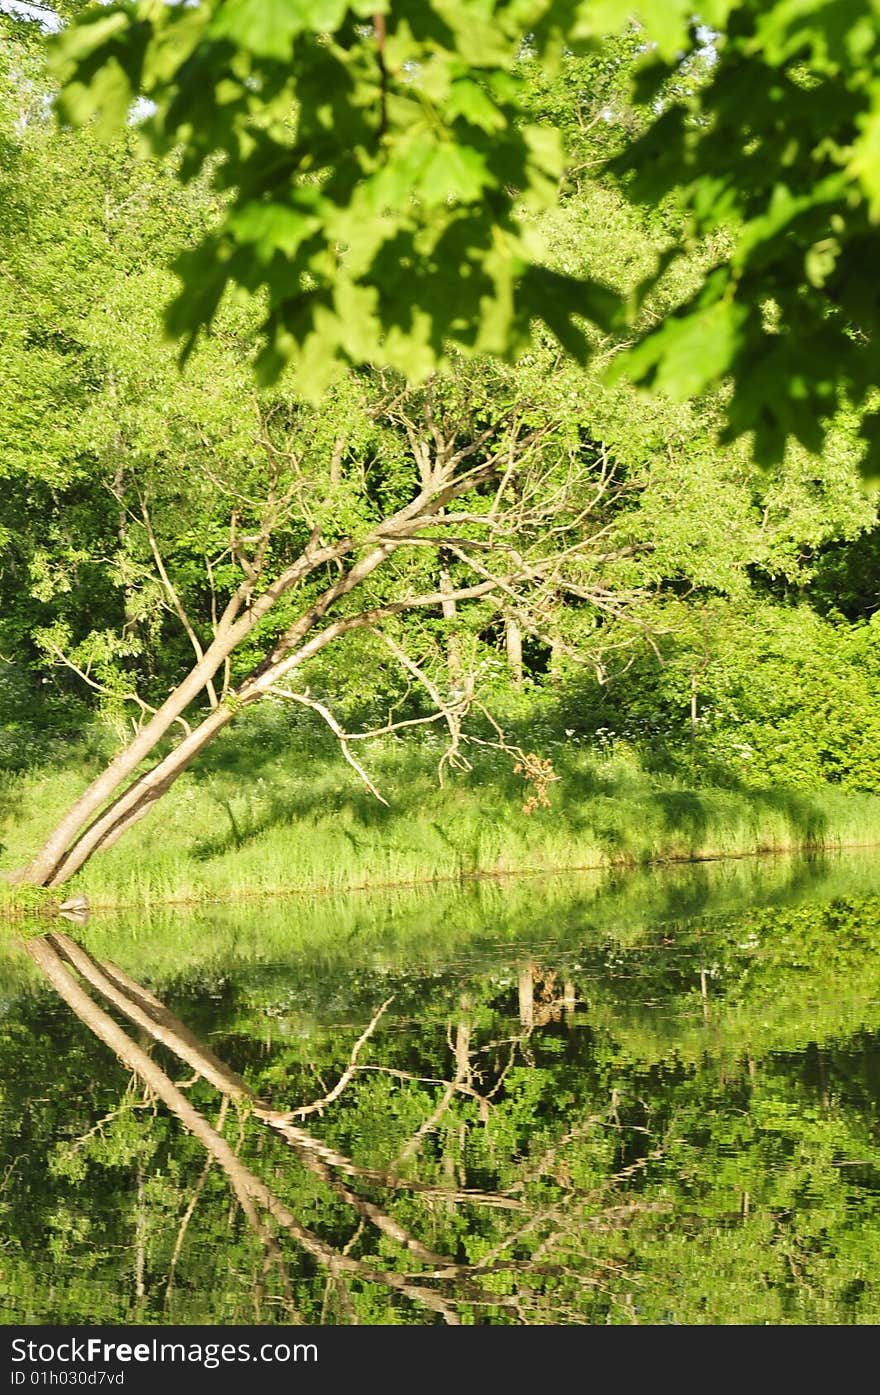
column 416, row 1271
column 463, row 1043
column 56, row 955
column 569, row 1003
column 527, row 997
column 513, row 645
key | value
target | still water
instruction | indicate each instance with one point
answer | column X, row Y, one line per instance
column 644, row 1098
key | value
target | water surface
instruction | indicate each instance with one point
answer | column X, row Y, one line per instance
column 641, row 1098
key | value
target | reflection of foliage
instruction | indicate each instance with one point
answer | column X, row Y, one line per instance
column 388, row 1250
column 676, row 1127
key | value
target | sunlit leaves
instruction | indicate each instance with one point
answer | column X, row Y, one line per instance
column 468, row 99
column 865, row 159
column 267, row 28
column 780, row 148
column 381, row 167
column 356, row 140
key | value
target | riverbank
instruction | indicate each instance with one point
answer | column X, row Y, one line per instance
column 261, row 819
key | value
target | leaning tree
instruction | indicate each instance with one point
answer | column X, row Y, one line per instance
column 385, row 503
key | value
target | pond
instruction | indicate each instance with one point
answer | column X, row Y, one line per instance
column 648, row 1097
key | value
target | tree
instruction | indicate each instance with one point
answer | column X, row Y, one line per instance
column 381, row 178
column 227, row 536
column 187, row 539
column 255, row 528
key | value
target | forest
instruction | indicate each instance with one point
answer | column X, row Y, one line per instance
column 439, row 662
column 466, row 600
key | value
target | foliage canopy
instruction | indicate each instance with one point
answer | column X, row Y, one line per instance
column 382, row 172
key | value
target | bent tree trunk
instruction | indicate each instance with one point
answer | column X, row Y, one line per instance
column 232, row 629
column 93, row 823
column 121, row 796
column 488, row 566
column 88, row 824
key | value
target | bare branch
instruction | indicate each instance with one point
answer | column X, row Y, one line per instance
column 318, row 1106
column 305, row 700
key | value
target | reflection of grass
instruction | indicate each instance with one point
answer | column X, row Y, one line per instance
column 20, row 903
column 791, row 940
column 268, row 810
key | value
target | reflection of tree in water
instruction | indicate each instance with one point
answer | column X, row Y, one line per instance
column 534, row 1263
column 685, row 1128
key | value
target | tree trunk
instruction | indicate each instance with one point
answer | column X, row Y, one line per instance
column 93, row 823
column 231, row 631
column 513, row 644
column 453, row 648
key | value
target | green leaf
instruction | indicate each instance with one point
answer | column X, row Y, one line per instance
column 204, row 273
column 688, row 352
column 316, row 364
column 81, row 39
column 545, row 149
column 820, row 260
column 648, row 80
column 864, row 162
column 393, row 184
column 454, row 171
column 266, row 28
column 272, row 227
column 480, row 37
column 468, row 99
column 108, row 96
column 559, row 299
column 668, row 23
column 356, row 309
column 322, row 16
column 869, row 432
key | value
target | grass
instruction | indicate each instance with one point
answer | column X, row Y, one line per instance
column 269, row 810
column 795, row 936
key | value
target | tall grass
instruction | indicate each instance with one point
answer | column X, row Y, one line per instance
column 267, row 812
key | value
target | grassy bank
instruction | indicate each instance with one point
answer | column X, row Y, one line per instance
column 263, row 814
column 430, row 926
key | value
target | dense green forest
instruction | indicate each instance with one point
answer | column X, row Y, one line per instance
column 439, row 441
column 545, row 617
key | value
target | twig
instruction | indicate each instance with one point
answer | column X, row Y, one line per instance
column 318, row 1106
column 305, row 700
